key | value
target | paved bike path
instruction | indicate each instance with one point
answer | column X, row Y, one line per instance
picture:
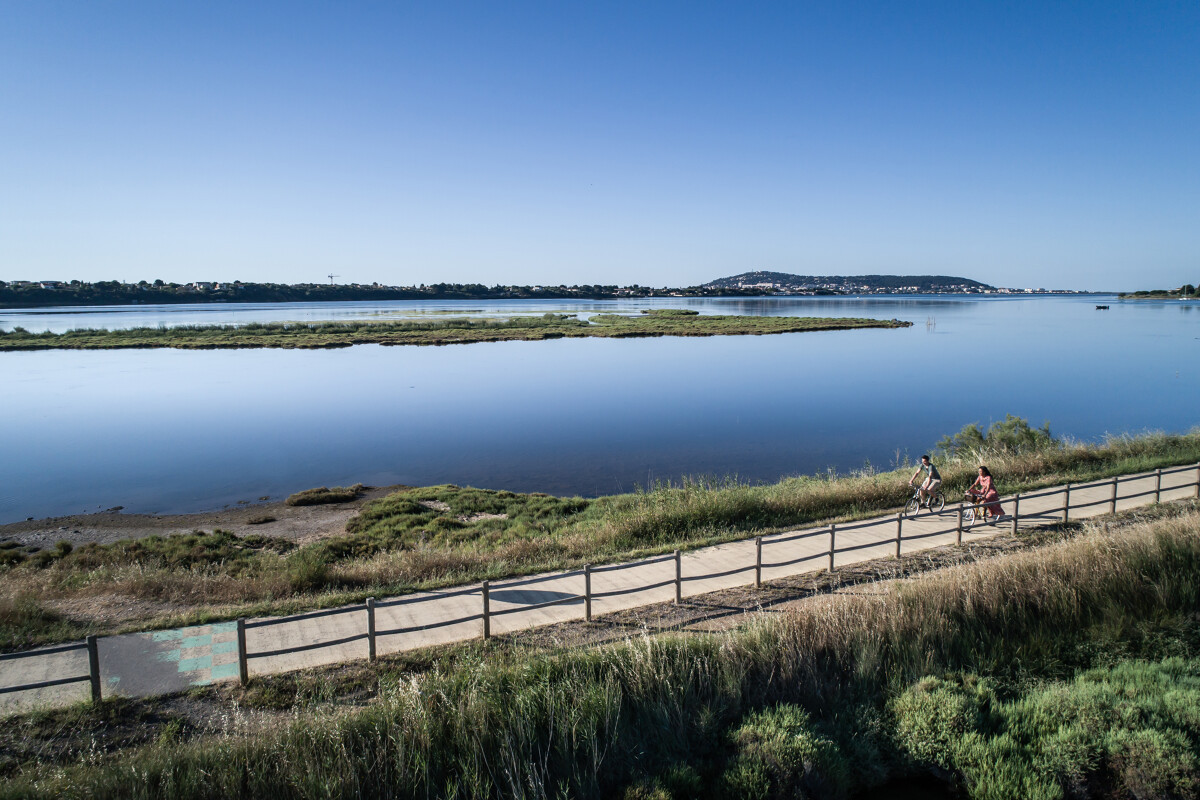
column 159, row 662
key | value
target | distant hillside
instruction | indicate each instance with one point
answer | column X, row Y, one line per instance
column 849, row 284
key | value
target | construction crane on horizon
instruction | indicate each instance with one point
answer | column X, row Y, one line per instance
column 331, row 277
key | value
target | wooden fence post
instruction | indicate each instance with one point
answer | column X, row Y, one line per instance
column 832, row 545
column 1112, row 502
column 370, row 628
column 587, row 592
column 1067, row 504
column 1016, row 512
column 487, row 610
column 1198, row 479
column 243, row 661
column 94, row 667
column 899, row 531
column 1157, row 485
column 958, row 534
column 678, row 578
column 757, row 562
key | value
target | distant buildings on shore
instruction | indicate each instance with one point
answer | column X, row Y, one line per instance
column 787, row 284
column 54, row 292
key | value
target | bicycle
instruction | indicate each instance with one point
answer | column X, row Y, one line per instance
column 978, row 509
column 935, row 502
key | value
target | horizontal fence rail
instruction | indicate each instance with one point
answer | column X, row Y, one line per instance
column 714, row 575
column 93, row 677
column 575, row 598
column 795, row 537
column 428, row 626
column 633, row 589
column 892, row 533
column 789, row 562
column 329, row 612
column 539, row 579
column 632, row 564
column 424, row 598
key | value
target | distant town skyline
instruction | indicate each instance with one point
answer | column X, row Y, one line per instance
column 1021, row 145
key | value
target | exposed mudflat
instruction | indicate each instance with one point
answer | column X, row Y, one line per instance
column 300, row 524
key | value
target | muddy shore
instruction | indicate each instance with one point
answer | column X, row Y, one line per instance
column 300, row 524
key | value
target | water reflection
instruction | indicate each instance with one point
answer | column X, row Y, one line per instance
column 167, row 430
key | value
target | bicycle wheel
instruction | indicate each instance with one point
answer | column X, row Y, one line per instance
column 910, row 508
column 937, row 503
column 969, row 515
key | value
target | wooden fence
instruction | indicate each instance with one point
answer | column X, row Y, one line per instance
column 485, row 614
column 484, row 590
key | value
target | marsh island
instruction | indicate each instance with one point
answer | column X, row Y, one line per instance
column 455, row 330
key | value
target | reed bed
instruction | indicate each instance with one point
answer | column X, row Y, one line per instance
column 833, row 697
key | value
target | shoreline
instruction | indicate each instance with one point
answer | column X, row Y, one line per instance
column 298, row 524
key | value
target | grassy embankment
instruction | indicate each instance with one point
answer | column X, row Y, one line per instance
column 656, row 322
column 442, row 535
column 1072, row 670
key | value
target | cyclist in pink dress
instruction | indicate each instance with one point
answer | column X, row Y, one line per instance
column 986, row 492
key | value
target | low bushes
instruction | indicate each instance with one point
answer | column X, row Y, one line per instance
column 1129, row 730
column 323, row 495
column 779, row 756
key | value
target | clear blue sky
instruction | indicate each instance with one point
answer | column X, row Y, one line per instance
column 1018, row 143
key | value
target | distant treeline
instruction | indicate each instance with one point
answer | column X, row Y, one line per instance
column 26, row 294
column 1187, row 290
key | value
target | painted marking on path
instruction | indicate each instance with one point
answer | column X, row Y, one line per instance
column 201, row 654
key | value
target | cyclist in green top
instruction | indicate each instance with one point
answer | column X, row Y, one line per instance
column 933, row 479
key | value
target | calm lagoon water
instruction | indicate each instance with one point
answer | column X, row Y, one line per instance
column 170, row 431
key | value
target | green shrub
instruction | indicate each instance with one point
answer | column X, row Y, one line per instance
column 1152, row 763
column 448, row 516
column 1134, row 725
column 179, row 551
column 779, row 756
column 306, row 569
column 323, row 495
column 934, row 718
column 11, row 554
column 1010, row 436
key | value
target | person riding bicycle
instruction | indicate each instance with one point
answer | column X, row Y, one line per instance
column 933, row 479
column 985, row 490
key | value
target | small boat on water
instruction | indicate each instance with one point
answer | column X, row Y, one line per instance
column 1102, row 308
